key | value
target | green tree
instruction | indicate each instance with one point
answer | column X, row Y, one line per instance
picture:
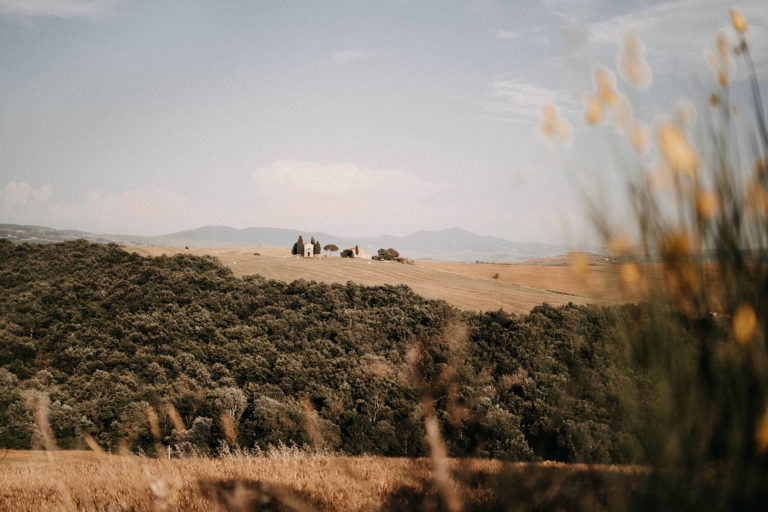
column 16, row 424
column 388, row 254
column 316, row 247
column 183, row 330
column 300, row 246
column 232, row 400
column 331, row 248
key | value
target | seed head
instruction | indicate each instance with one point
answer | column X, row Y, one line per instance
column 722, row 78
column 707, row 203
column 738, row 21
column 674, row 246
column 744, row 323
column 605, row 83
column 593, row 109
column 722, row 44
column 632, row 65
column 761, row 167
column 761, row 432
column 639, row 136
column 580, row 264
column 553, row 127
column 629, row 273
column 620, row 245
column 675, row 148
column 622, row 113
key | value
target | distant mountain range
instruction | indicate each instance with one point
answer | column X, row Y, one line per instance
column 453, row 244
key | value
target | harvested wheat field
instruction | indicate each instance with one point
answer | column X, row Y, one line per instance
column 600, row 282
column 77, row 480
column 469, row 290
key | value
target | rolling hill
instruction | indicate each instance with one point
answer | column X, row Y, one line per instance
column 453, row 244
column 473, row 291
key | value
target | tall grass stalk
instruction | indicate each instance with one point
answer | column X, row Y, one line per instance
column 699, row 201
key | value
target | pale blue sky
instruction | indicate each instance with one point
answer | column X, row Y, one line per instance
column 355, row 118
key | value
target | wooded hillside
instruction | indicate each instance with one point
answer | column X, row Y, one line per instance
column 107, row 336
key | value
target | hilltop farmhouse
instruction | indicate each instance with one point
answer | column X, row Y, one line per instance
column 313, row 248
column 310, row 249
column 362, row 253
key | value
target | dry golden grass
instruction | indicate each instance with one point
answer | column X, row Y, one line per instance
column 464, row 285
column 76, row 480
column 600, row 282
column 471, row 286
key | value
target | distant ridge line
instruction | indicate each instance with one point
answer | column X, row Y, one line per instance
column 450, row 244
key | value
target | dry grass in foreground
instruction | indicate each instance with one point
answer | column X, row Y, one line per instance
column 88, row 481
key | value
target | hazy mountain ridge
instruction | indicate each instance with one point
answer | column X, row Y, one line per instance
column 453, row 244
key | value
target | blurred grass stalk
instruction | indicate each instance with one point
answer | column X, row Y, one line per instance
column 700, row 221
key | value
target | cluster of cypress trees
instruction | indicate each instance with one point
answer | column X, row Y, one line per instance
column 298, row 247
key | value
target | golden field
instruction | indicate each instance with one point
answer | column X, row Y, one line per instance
column 468, row 286
column 600, row 282
column 81, row 480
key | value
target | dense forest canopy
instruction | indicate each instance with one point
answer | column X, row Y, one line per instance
column 101, row 336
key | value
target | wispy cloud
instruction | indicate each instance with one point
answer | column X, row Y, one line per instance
column 120, row 212
column 514, row 100
column 346, row 195
column 664, row 20
column 72, row 9
column 676, row 31
column 506, row 34
column 21, row 194
column 535, row 34
column 570, row 8
column 337, row 179
column 351, row 56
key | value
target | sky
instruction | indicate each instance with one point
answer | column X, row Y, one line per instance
column 355, row 118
